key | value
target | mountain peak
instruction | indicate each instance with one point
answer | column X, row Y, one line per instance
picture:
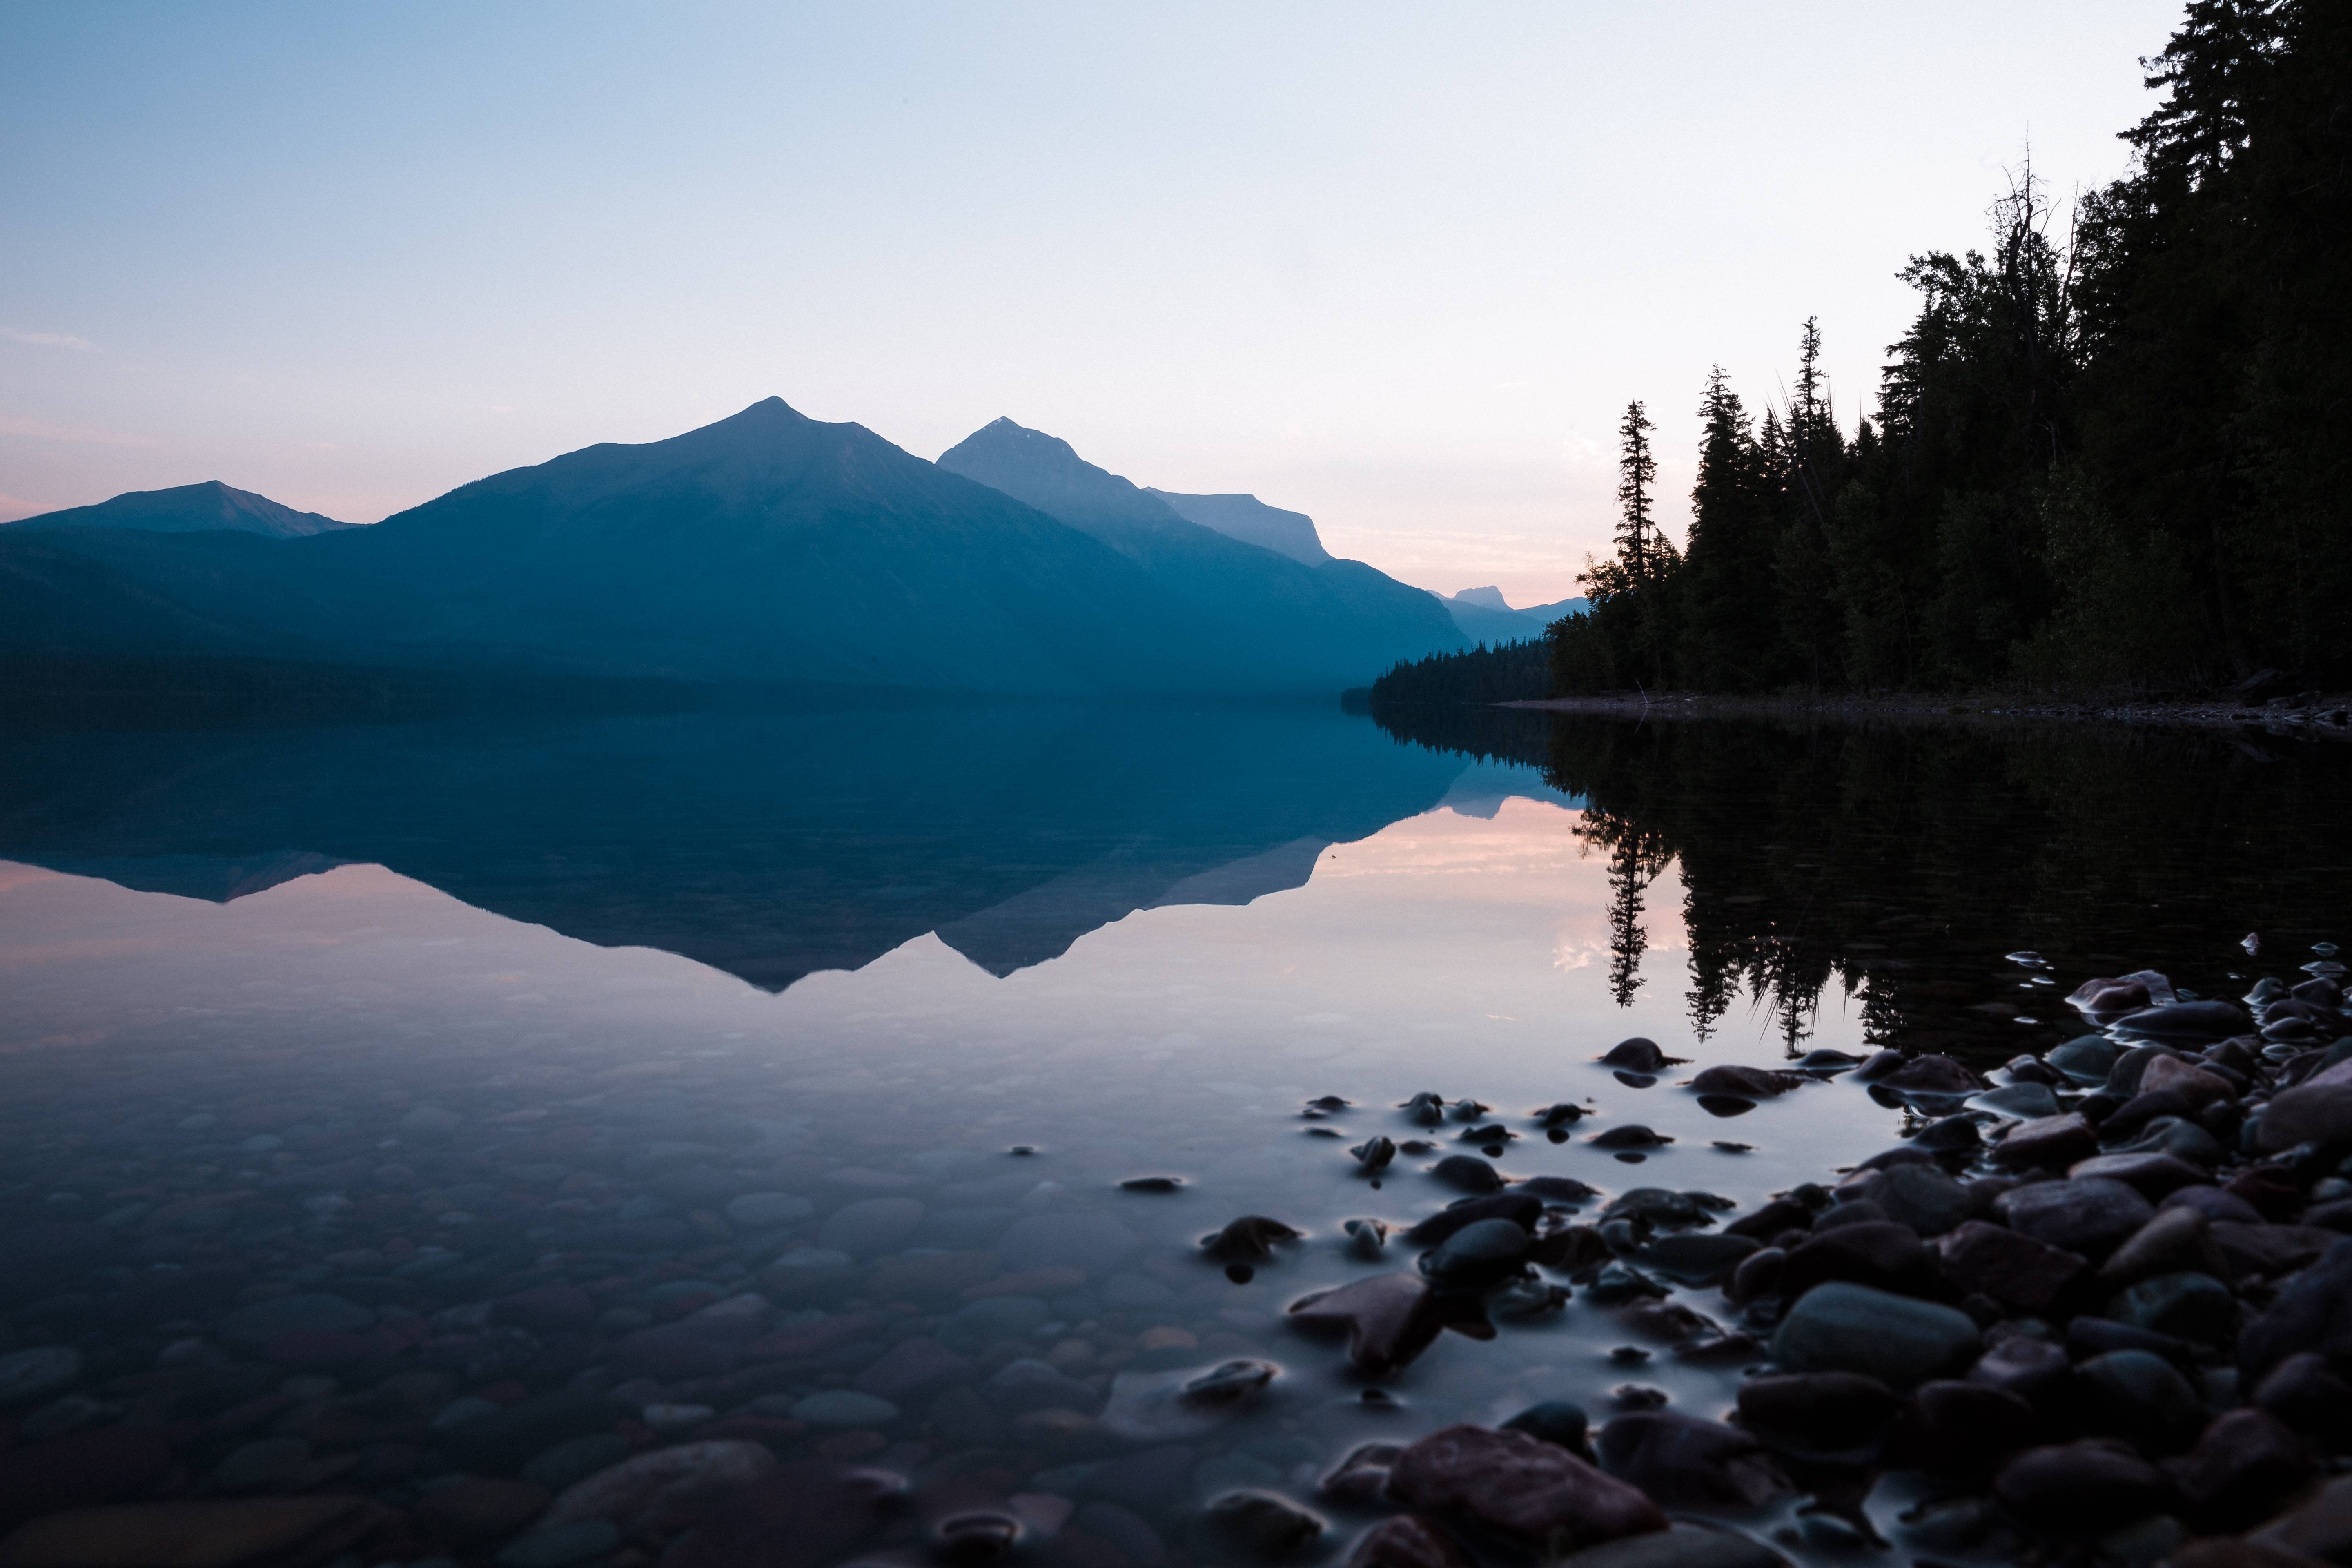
column 1251, row 521
column 1047, row 473
column 1489, row 597
column 207, row 506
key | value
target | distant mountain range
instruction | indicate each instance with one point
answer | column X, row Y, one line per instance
column 191, row 508
column 768, row 547
column 1484, row 616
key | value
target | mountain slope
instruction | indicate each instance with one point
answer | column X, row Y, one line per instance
column 191, row 508
column 1485, row 616
column 1282, row 624
column 1251, row 521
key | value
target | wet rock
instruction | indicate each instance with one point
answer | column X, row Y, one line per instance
column 2139, row 1396
column 765, row 1211
column 1260, row 1525
column 803, row 1514
column 1877, row 1253
column 2193, row 1307
column 1519, row 1485
column 1632, row 1135
column 1696, row 1259
column 2305, row 1392
column 2034, row 1370
column 976, row 1325
column 80, row 1469
column 2021, row 1273
column 1920, row 1196
column 2213, row 1204
column 1556, row 1421
column 2246, row 1467
column 1757, row 1082
column 549, row 1309
column 2320, row 1528
column 500, row 1441
column 666, row 1490
column 1829, row 1416
column 561, row 1545
column 2088, row 1217
column 1026, row 1385
column 1638, row 1054
column 1407, row 1541
column 1249, row 1239
column 1477, row 1255
column 1390, row 1319
column 1094, row 1242
column 1680, row 1461
column 2047, row 1143
column 2319, row 1110
column 2269, row 1250
column 1521, row 1208
column 1685, row 1545
column 476, row 1514
column 870, row 1225
column 1183, row 1403
column 2086, row 1060
column 2173, row 1241
column 2153, row 1175
column 844, row 1407
column 252, row 1327
column 1963, row 1429
column 2021, row 1102
column 27, row 1375
column 2171, row 1074
column 232, row 1534
column 1374, row 1154
column 2312, row 1312
column 2185, row 1024
column 2080, row 1488
column 911, row 1367
column 574, row 1460
column 1840, row 1327
column 1932, row 1075
column 1467, row 1173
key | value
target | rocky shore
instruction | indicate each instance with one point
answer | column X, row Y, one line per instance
column 2095, row 1309
column 2310, row 715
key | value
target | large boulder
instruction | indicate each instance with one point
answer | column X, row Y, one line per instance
column 1852, row 1328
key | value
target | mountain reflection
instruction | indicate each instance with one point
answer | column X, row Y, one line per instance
column 1898, row 864
column 769, row 846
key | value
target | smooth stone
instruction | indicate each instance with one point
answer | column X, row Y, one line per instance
column 1685, row 1545
column 1407, row 1541
column 910, row 1367
column 1524, row 1209
column 2080, row 1488
column 2186, row 1023
column 1467, row 1173
column 205, row 1534
column 2311, row 1112
column 1932, row 1075
column 804, row 1513
column 502, row 1440
column 549, row 1308
column 2313, row 1311
column 431, row 1119
column 1182, row 1403
column 2141, row 1397
column 575, row 1459
column 1261, row 1524
column 1877, row 1253
column 1760, row 1082
column 1477, row 1254
column 1558, row 1421
column 252, row 1327
column 2171, row 1074
column 2153, row 1175
column 2021, row 1273
column 1818, row 1414
column 1918, row 1196
column 2088, row 1217
column 665, row 1490
column 1094, row 1242
column 2022, row 1101
column 976, row 1325
column 870, row 1225
column 560, row 1546
column 2244, row 1468
column 2087, row 1059
column 27, row 1375
column 2193, row 1307
column 1840, row 1327
column 764, row 1211
column 2049, row 1143
column 2212, row 1203
column 1521, row 1487
column 1389, row 1319
column 1682, row 1462
column 475, row 1512
column 1962, row 1428
column 1021, row 1386
column 1636, row 1055
column 2321, row 1527
column 2031, row 1369
column 1696, row 1260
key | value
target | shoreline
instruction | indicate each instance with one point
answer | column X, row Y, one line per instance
column 2318, row 717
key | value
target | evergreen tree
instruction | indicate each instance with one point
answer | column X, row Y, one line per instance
column 1637, row 474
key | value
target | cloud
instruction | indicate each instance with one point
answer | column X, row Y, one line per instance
column 46, row 430
column 51, row 340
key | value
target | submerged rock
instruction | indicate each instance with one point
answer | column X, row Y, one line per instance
column 1519, row 1485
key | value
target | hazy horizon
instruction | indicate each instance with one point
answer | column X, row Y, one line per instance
column 1397, row 271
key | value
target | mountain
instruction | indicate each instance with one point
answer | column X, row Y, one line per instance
column 1485, row 616
column 191, row 508
column 1284, row 623
column 1252, row 521
column 765, row 548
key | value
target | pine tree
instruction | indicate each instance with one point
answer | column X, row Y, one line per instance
column 1637, row 474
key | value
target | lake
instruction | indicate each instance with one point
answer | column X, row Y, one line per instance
column 443, row 1114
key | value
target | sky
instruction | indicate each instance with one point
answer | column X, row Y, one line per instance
column 1399, row 267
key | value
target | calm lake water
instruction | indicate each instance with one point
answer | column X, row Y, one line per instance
column 383, row 1024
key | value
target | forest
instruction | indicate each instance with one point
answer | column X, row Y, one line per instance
column 2110, row 452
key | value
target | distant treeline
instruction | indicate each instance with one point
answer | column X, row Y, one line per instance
column 1506, row 672
column 2107, row 453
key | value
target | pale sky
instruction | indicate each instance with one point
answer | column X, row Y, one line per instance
column 1399, row 267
